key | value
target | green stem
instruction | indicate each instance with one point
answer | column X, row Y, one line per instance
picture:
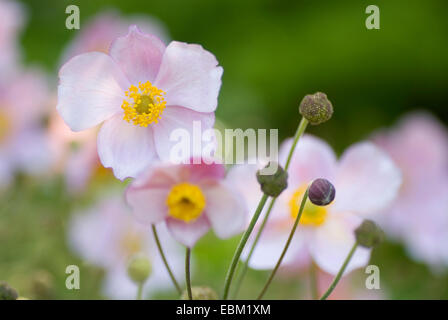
column 187, row 273
column 313, row 282
column 239, row 250
column 299, row 132
column 165, row 262
column 245, row 263
column 288, row 242
column 340, row 273
column 140, row 291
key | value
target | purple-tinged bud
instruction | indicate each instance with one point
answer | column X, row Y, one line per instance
column 369, row 234
column 7, row 293
column 316, row 108
column 200, row 293
column 321, row 192
column 273, row 184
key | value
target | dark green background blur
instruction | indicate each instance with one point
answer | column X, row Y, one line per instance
column 273, row 53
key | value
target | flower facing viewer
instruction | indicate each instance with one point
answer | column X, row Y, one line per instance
column 142, row 90
column 190, row 198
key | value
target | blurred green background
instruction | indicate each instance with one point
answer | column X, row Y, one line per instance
column 273, row 53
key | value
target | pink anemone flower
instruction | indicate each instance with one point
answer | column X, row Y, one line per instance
column 107, row 236
column 142, row 91
column 366, row 181
column 24, row 145
column 190, row 198
column 419, row 146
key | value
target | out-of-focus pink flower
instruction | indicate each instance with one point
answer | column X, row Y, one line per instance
column 108, row 236
column 366, row 181
column 419, row 216
column 190, row 198
column 75, row 154
column 142, row 91
column 99, row 33
column 23, row 141
column 11, row 21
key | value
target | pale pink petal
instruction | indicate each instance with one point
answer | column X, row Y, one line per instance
column 190, row 76
column 190, row 124
column 124, row 147
column 159, row 175
column 148, row 204
column 188, row 233
column 332, row 242
column 139, row 55
column 91, row 90
column 225, row 209
column 367, row 180
column 199, row 171
column 244, row 179
column 271, row 244
column 313, row 158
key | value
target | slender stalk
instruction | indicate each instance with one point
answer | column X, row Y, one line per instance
column 340, row 273
column 243, row 241
column 245, row 263
column 165, row 262
column 140, row 291
column 288, row 242
column 313, row 282
column 187, row 273
column 299, row 132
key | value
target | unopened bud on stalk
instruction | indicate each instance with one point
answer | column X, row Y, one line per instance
column 200, row 293
column 273, row 184
column 139, row 268
column 7, row 293
column 321, row 192
column 369, row 234
column 316, row 108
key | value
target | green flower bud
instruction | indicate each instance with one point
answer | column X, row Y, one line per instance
column 139, row 268
column 273, row 184
column 7, row 293
column 368, row 234
column 316, row 108
column 200, row 293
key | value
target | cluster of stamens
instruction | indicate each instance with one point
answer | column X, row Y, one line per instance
column 145, row 104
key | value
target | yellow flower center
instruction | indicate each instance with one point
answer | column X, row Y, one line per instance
column 5, row 126
column 185, row 202
column 312, row 215
column 144, row 104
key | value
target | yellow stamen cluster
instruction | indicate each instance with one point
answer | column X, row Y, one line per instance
column 5, row 126
column 312, row 215
column 185, row 202
column 144, row 105
column 131, row 243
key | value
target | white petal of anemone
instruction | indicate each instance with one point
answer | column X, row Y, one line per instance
column 313, row 158
column 174, row 148
column 139, row 55
column 332, row 241
column 271, row 244
column 188, row 233
column 225, row 208
column 91, row 90
column 190, row 76
column 367, row 180
column 124, row 147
